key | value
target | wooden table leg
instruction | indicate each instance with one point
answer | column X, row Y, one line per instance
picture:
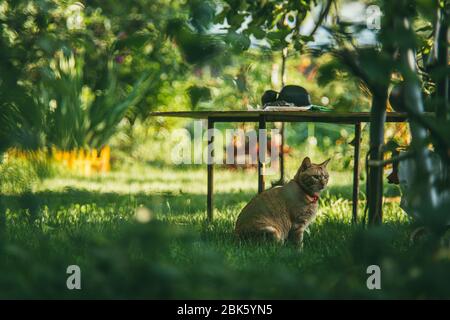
column 210, row 166
column 262, row 149
column 356, row 172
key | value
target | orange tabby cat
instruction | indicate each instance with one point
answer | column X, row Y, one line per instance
column 284, row 212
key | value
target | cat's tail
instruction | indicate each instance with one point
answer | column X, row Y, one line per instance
column 266, row 233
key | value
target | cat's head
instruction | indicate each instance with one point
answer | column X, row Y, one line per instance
column 312, row 177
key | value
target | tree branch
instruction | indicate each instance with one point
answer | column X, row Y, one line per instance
column 322, row 16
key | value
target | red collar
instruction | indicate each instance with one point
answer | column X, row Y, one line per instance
column 310, row 198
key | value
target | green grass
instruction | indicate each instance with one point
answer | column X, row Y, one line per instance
column 92, row 222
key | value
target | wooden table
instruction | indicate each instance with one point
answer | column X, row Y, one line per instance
column 262, row 117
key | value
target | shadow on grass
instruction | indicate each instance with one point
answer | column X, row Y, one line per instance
column 163, row 203
column 177, row 203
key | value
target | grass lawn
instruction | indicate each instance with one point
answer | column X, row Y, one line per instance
column 92, row 222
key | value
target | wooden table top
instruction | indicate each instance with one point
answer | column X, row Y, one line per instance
column 284, row 116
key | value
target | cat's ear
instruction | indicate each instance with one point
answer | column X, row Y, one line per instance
column 306, row 163
column 324, row 164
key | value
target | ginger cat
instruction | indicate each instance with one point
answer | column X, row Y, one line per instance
column 284, row 212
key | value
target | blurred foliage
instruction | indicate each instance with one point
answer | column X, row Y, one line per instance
column 277, row 22
column 78, row 117
column 114, row 55
column 21, row 174
column 17, row 176
column 131, row 57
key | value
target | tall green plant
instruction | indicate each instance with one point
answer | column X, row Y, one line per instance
column 78, row 117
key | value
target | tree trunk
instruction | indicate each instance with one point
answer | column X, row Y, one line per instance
column 425, row 193
column 375, row 175
column 442, row 82
column 441, row 44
